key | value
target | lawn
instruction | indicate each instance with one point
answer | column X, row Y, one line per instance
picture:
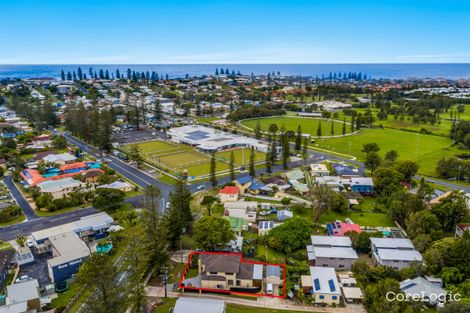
column 66, row 297
column 16, row 220
column 235, row 308
column 185, row 159
column 157, row 147
column 176, row 157
column 271, row 255
column 361, row 218
column 242, row 156
column 426, row 150
column 204, row 169
column 309, row 125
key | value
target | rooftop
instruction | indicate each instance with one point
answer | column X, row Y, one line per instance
column 392, row 243
column 336, row 241
column 68, row 247
column 324, row 280
column 229, row 190
column 198, row 305
column 24, row 291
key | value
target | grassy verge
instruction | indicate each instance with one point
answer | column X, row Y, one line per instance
column 236, row 308
column 16, row 220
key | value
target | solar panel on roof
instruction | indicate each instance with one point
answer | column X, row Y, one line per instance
column 197, row 135
column 332, row 285
column 316, row 282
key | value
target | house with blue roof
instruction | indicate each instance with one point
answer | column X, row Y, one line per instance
column 362, row 185
column 346, row 171
column 243, row 182
column 258, row 188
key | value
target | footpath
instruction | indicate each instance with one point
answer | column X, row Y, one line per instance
column 260, row 302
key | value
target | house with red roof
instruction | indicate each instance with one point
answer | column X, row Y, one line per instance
column 228, row 193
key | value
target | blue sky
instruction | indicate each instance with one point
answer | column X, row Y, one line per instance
column 238, row 31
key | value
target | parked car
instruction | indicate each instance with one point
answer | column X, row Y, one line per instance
column 200, row 187
column 29, row 243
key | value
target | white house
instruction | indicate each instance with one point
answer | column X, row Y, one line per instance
column 319, row 169
column 243, row 209
column 323, row 284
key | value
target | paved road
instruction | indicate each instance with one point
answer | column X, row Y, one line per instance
column 20, row 200
column 25, row 228
column 135, row 175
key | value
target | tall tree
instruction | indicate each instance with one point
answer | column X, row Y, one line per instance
column 305, row 150
column 332, row 131
column 252, row 162
column 268, row 161
column 344, row 126
column 211, row 232
column 258, row 130
column 106, row 293
column 213, row 178
column 134, row 155
column 298, row 139
column 232, row 165
column 285, row 151
column 319, row 132
column 136, row 258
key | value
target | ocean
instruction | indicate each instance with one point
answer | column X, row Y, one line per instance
column 376, row 71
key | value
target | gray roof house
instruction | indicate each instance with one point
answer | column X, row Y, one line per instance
column 199, row 305
column 394, row 252
column 426, row 290
column 331, row 251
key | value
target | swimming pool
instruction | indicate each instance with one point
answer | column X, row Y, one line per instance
column 104, row 248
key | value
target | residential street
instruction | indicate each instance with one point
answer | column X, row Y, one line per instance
column 20, row 200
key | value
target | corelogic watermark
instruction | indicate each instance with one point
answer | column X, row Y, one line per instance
column 423, row 297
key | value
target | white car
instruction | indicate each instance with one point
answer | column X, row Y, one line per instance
column 168, row 205
column 200, row 187
column 29, row 243
column 23, row 278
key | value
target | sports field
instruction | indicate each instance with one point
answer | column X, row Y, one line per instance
column 309, row 125
column 242, row 156
column 427, row 150
column 177, row 157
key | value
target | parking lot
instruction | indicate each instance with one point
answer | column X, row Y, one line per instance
column 130, row 136
column 37, row 269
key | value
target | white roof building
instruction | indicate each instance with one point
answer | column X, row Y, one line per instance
column 67, row 247
column 93, row 222
column 53, row 186
column 55, row 158
column 198, row 305
column 209, row 139
column 325, row 284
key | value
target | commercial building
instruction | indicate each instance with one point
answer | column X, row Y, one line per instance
column 331, row 251
column 67, row 244
column 68, row 253
column 394, row 252
column 208, row 139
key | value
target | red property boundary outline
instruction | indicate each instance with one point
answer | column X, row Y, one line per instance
column 180, row 283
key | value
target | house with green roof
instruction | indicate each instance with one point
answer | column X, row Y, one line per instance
column 237, row 224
